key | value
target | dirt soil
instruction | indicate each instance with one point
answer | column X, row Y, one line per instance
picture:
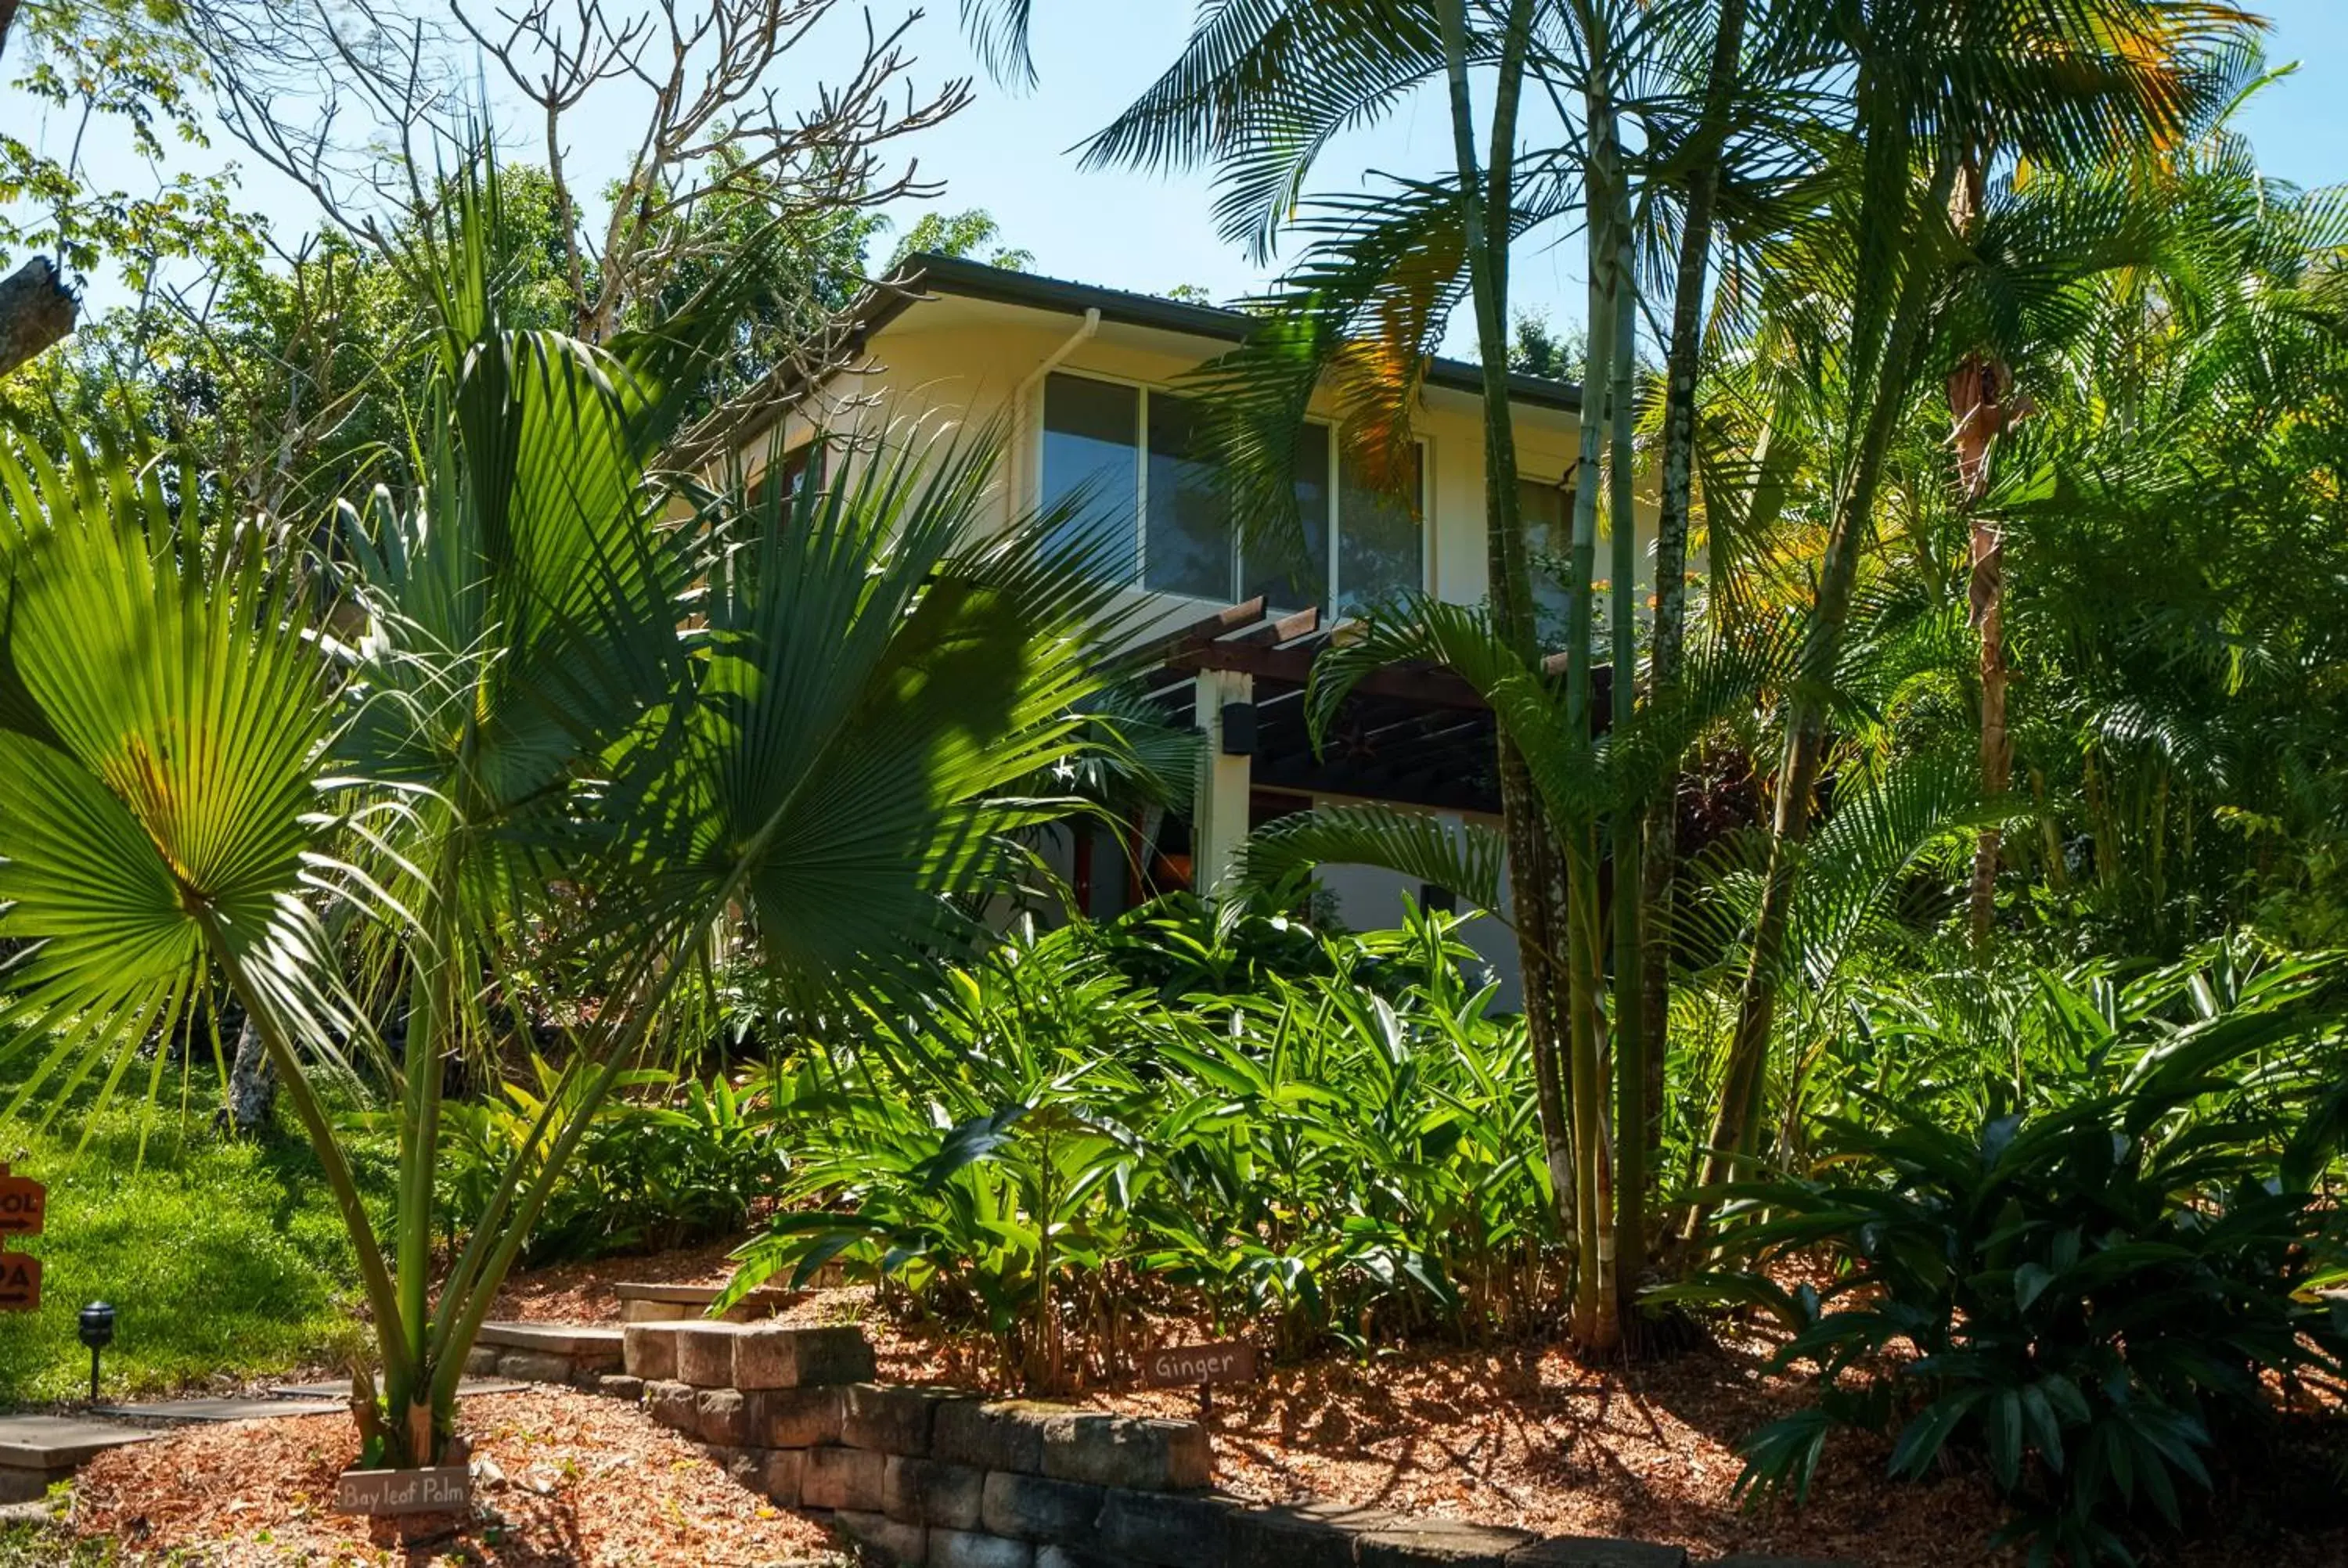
column 573, row 1482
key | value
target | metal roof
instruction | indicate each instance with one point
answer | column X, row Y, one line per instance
column 936, row 274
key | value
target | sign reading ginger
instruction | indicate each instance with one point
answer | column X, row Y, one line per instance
column 1188, row 1364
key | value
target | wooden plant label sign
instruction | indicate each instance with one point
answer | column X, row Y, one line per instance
column 24, row 1205
column 1191, row 1365
column 445, row 1488
column 20, row 1282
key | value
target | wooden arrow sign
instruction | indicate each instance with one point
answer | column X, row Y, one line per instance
column 24, row 1205
column 20, row 1282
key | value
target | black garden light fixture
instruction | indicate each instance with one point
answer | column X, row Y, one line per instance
column 97, row 1333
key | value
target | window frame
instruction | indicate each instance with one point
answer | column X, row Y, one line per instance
column 1136, row 576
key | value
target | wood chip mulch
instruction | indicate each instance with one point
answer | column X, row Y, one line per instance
column 588, row 1292
column 1520, row 1435
column 572, row 1481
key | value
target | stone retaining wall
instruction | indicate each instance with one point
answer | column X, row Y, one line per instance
column 934, row 1478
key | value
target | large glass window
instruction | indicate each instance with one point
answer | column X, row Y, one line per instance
column 1547, row 509
column 1091, row 466
column 1186, row 542
column 1379, row 543
column 1293, row 573
column 1123, row 458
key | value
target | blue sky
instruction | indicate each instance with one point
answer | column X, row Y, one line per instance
column 1134, row 232
column 1010, row 152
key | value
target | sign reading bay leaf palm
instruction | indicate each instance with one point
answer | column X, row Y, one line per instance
column 442, row 1489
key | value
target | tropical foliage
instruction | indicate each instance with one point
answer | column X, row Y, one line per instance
column 1922, row 861
column 2089, row 1290
column 1042, row 1149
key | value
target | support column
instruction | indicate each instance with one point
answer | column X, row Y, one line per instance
column 1219, row 813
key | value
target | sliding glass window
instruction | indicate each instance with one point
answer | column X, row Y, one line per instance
column 1186, row 542
column 1381, row 547
column 1125, row 460
column 1091, row 466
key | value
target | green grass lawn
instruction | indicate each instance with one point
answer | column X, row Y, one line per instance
column 218, row 1256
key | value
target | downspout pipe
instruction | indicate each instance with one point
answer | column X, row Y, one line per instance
column 1082, row 334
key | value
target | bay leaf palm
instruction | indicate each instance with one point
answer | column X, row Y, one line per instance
column 590, row 719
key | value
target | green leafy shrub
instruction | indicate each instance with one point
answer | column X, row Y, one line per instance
column 1045, row 1147
column 667, row 1161
column 2084, row 1299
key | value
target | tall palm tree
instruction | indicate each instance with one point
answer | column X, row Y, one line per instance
column 1928, row 85
column 1261, row 92
column 578, row 713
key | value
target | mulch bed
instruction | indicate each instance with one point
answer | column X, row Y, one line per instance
column 587, row 1293
column 583, row 1482
column 1519, row 1435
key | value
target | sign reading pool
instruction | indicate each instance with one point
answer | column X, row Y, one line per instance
column 24, row 1210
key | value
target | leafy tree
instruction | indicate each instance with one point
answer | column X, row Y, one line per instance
column 123, row 66
column 974, row 235
column 1539, row 350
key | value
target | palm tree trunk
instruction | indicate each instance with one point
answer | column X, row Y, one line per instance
column 1977, row 406
column 1996, row 747
column 1487, row 197
column 1633, row 1048
column 1658, row 857
column 251, row 1085
column 1595, row 1323
column 1806, row 720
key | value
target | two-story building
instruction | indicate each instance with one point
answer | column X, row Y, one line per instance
column 1085, row 380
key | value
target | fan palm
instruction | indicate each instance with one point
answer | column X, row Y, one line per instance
column 592, row 722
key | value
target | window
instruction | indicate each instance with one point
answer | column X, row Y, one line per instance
column 1090, row 465
column 1186, row 546
column 1379, row 548
column 1121, row 458
column 779, row 482
column 1547, row 509
column 1293, row 573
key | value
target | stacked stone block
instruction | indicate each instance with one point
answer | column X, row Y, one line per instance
column 935, row 1478
column 578, row 1355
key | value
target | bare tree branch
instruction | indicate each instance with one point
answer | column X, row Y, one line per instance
column 349, row 102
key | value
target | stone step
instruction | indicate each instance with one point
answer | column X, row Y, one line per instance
column 656, row 1303
column 37, row 1451
column 59, row 1442
column 266, row 1409
column 577, row 1353
column 572, row 1340
column 748, row 1355
column 341, row 1392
